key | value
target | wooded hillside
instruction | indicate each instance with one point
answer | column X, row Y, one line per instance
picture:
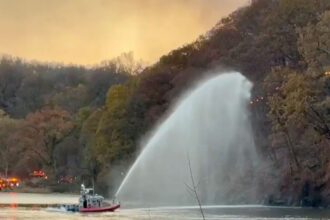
column 89, row 121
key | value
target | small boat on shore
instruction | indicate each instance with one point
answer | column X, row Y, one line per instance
column 91, row 202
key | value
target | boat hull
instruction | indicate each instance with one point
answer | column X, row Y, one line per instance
column 102, row 209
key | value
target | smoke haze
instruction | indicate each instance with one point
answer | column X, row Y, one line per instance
column 86, row 32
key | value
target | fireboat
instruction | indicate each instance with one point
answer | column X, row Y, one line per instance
column 91, row 202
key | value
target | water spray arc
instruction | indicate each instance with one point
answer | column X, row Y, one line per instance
column 211, row 124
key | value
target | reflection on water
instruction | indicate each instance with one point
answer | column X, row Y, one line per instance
column 223, row 213
column 23, row 214
column 17, row 212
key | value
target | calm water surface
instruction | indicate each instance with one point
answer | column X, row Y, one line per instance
column 166, row 213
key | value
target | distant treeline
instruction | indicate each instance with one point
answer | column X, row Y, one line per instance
column 89, row 121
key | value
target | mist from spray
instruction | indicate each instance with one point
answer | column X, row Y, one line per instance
column 210, row 128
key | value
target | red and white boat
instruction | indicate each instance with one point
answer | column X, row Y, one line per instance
column 104, row 209
column 91, row 202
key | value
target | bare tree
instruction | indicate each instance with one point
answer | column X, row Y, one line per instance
column 193, row 188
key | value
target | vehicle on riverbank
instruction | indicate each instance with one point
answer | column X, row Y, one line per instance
column 10, row 183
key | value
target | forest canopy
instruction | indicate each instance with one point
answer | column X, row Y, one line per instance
column 85, row 122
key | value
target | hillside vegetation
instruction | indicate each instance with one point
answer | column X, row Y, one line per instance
column 87, row 122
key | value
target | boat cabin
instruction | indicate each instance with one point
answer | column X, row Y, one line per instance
column 88, row 199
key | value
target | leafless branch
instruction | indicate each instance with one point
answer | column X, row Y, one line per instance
column 193, row 188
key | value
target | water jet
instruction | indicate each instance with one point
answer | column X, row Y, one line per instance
column 211, row 124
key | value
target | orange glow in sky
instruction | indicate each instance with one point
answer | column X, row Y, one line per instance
column 89, row 31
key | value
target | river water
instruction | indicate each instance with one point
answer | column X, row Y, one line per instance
column 17, row 212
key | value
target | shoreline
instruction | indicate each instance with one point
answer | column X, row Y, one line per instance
column 12, row 199
column 58, row 205
column 27, row 205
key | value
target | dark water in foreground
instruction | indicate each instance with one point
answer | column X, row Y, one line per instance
column 13, row 212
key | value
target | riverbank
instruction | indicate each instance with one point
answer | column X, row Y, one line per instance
column 32, row 206
column 33, row 199
column 28, row 190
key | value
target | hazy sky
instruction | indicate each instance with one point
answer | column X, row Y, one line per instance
column 89, row 31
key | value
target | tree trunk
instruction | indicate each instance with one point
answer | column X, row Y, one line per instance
column 6, row 169
column 291, row 149
column 6, row 161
